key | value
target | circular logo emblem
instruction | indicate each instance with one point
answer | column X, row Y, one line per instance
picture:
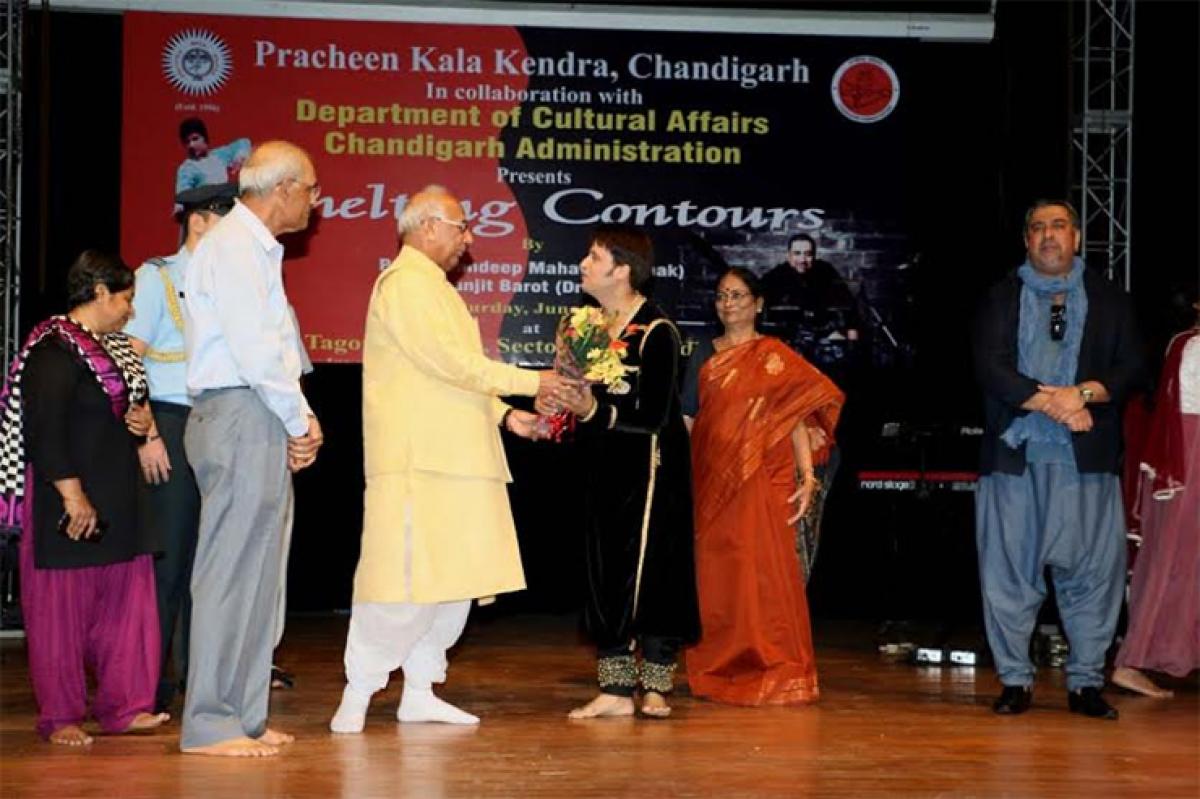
column 865, row 89
column 196, row 62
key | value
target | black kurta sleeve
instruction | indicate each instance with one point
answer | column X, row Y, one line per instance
column 656, row 387
column 996, row 355
column 48, row 386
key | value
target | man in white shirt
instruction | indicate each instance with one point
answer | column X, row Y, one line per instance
column 250, row 427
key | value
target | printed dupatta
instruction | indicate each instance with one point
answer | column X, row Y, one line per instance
column 110, row 359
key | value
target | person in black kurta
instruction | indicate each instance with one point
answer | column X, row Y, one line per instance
column 72, row 412
column 637, row 514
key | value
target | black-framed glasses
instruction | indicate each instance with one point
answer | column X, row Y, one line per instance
column 1058, row 322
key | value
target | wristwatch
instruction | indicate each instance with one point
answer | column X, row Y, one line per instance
column 1086, row 394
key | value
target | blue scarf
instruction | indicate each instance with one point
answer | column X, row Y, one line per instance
column 1052, row 363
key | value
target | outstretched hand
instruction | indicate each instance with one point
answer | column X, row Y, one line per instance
column 575, row 397
column 523, row 424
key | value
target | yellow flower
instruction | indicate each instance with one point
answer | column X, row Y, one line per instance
column 585, row 317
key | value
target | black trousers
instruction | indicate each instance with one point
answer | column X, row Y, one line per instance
column 618, row 668
column 173, row 508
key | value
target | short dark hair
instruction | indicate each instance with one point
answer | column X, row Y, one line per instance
column 803, row 237
column 1040, row 204
column 630, row 246
column 93, row 268
column 753, row 284
column 192, row 125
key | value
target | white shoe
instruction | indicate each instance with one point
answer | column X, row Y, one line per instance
column 351, row 713
column 420, row 705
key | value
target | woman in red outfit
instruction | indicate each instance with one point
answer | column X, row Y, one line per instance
column 753, row 467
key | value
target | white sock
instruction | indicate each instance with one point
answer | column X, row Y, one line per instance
column 351, row 713
column 419, row 704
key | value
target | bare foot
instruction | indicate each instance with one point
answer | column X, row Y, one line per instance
column 604, row 706
column 655, row 705
column 1134, row 680
column 70, row 735
column 234, row 747
column 275, row 738
column 143, row 722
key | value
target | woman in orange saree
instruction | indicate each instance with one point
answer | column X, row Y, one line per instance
column 752, row 464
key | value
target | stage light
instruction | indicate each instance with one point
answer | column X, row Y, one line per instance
column 964, row 657
column 929, row 656
column 935, row 656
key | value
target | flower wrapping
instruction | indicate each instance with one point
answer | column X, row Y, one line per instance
column 585, row 350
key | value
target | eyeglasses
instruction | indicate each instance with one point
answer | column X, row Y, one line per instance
column 313, row 189
column 1058, row 322
column 731, row 296
column 461, row 224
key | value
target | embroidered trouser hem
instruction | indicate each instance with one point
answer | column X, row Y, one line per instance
column 619, row 674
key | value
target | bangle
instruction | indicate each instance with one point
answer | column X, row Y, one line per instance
column 595, row 407
column 152, row 437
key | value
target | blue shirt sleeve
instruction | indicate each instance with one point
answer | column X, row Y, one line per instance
column 149, row 303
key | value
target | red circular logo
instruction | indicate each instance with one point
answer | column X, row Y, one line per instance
column 865, row 89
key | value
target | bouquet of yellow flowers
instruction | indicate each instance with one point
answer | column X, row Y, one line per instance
column 585, row 350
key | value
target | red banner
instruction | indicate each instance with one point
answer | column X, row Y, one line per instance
column 383, row 109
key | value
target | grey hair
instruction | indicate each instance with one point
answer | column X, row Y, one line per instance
column 422, row 206
column 269, row 165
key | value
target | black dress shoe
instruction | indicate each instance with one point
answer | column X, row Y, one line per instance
column 1089, row 702
column 1013, row 699
column 281, row 678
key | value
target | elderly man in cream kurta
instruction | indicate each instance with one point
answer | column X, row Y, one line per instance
column 437, row 529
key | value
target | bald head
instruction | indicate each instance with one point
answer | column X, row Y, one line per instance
column 434, row 223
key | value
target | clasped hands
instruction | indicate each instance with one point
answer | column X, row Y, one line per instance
column 1065, row 405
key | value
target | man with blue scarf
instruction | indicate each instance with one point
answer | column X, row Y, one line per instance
column 1056, row 353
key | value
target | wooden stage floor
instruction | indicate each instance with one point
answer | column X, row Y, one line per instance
column 880, row 729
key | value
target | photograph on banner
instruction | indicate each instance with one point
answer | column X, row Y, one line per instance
column 780, row 154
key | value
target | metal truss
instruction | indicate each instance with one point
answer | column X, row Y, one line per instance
column 13, row 12
column 1102, row 133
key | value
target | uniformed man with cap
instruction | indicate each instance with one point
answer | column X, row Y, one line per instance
column 173, row 507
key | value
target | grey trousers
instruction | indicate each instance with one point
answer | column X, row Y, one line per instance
column 238, row 451
column 1050, row 516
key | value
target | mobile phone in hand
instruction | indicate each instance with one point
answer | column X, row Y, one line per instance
column 94, row 538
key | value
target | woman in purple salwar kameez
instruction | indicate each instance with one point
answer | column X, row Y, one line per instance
column 72, row 408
